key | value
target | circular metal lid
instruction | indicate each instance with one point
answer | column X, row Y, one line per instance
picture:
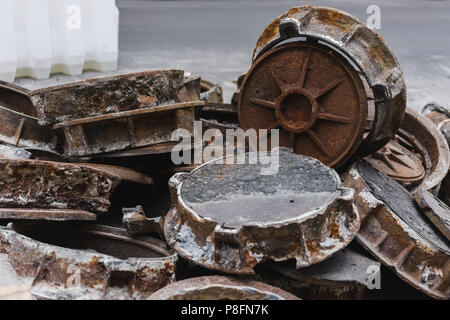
column 312, row 94
column 398, row 163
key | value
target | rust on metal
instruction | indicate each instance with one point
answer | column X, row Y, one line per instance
column 136, row 222
column 363, row 46
column 437, row 211
column 313, row 95
column 221, row 112
column 24, row 132
column 127, row 129
column 210, row 92
column 220, row 288
column 398, row 163
column 11, row 152
column 16, row 99
column 160, row 148
column 231, row 217
column 15, row 293
column 124, row 173
column 46, row 214
column 52, row 185
column 220, row 116
column 113, row 94
column 341, row 277
column 87, row 262
column 440, row 116
column 396, row 231
column 190, row 90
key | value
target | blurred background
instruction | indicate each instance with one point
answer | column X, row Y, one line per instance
column 216, row 38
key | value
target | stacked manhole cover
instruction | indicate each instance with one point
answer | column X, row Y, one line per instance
column 93, row 206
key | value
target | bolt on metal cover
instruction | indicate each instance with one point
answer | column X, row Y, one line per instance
column 230, row 217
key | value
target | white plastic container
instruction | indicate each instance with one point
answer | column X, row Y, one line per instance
column 8, row 55
column 39, row 37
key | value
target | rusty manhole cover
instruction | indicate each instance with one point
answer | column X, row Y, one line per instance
column 49, row 185
column 230, row 217
column 312, row 94
column 88, row 261
column 396, row 231
column 343, row 276
column 436, row 210
column 398, row 163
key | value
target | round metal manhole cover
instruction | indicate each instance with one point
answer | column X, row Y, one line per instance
column 232, row 216
column 312, row 94
column 398, row 163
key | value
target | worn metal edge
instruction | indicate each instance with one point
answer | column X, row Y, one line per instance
column 203, row 283
column 180, row 211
